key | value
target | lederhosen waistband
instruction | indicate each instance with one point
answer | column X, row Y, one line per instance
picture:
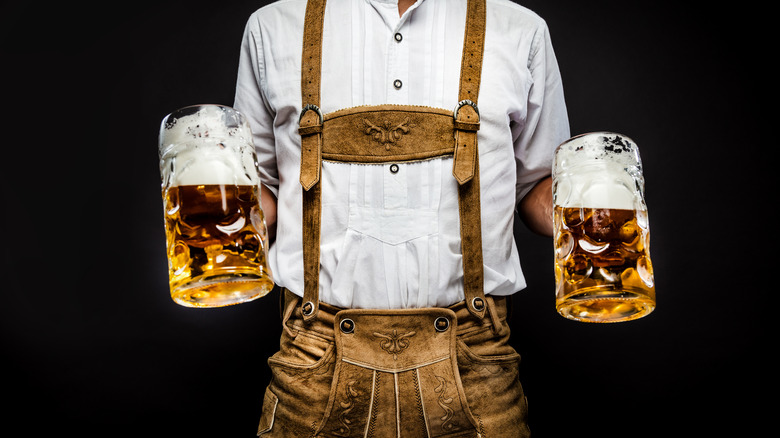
column 404, row 133
column 325, row 321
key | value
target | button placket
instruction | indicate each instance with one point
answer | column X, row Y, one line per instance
column 398, row 67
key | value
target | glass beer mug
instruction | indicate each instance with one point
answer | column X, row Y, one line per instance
column 603, row 271
column 214, row 226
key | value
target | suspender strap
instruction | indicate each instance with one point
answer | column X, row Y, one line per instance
column 466, row 160
column 402, row 133
column 311, row 60
column 311, row 122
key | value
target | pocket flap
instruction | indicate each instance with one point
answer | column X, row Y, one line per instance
column 269, row 410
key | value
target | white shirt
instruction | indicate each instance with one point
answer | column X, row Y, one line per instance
column 392, row 240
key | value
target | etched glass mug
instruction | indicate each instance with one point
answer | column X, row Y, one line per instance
column 603, row 271
column 214, row 225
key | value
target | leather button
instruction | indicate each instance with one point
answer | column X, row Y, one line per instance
column 394, row 168
column 398, row 37
column 398, row 84
column 441, row 324
column 347, row 325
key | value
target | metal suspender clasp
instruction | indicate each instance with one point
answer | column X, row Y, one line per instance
column 463, row 103
column 311, row 107
column 466, row 119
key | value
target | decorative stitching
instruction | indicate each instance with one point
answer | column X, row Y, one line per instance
column 481, row 432
column 443, row 402
column 419, row 399
column 394, row 344
column 386, row 133
column 313, row 429
column 374, row 402
column 408, row 367
column 347, row 407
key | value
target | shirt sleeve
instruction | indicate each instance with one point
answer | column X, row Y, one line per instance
column 251, row 101
column 547, row 122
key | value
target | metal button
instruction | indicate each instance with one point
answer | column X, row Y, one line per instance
column 398, row 84
column 398, row 37
column 478, row 304
column 394, row 168
column 307, row 308
column 347, row 325
column 441, row 324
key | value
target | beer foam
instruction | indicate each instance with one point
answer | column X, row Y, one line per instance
column 208, row 121
column 207, row 144
column 598, row 170
column 207, row 164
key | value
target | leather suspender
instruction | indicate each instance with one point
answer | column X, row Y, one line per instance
column 405, row 125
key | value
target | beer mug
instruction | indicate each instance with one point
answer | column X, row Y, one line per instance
column 214, row 226
column 603, row 271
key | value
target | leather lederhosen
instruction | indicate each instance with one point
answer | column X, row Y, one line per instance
column 431, row 372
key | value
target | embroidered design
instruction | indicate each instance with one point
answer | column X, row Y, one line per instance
column 418, row 396
column 394, row 344
column 374, row 404
column 443, row 401
column 347, row 407
column 386, row 133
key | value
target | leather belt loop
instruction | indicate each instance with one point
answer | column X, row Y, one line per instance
column 495, row 318
column 310, row 129
column 466, row 124
column 288, row 307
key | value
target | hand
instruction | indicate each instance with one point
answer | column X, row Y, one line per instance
column 536, row 209
column 268, row 204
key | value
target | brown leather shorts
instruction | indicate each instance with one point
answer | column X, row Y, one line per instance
column 436, row 372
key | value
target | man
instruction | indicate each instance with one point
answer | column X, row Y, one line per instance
column 395, row 140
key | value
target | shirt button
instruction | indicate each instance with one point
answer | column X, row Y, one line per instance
column 397, row 84
column 398, row 37
column 393, row 168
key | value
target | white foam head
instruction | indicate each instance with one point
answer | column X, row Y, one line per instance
column 206, row 144
column 598, row 170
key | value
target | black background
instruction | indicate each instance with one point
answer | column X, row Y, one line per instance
column 91, row 343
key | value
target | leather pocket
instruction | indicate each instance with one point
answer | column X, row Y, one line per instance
column 303, row 389
column 301, row 352
column 490, row 381
column 269, row 411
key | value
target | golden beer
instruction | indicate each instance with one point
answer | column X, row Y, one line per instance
column 602, row 264
column 214, row 225
column 603, row 271
column 216, row 244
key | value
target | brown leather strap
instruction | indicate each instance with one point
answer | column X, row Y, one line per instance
column 466, row 114
column 311, row 150
column 311, row 59
column 402, row 133
column 465, row 167
column 473, row 45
